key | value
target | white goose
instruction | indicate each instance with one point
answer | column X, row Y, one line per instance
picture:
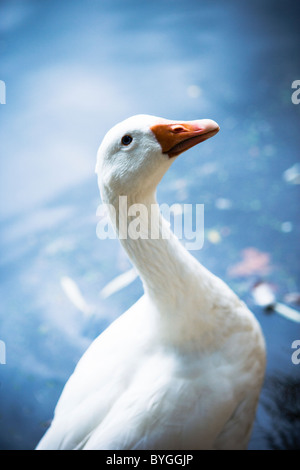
column 183, row 367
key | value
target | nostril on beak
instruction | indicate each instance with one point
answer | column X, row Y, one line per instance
column 177, row 129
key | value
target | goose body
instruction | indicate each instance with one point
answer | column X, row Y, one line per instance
column 183, row 367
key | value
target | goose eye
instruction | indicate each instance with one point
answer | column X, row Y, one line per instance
column 126, row 139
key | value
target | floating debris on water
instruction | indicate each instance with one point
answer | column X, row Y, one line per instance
column 74, row 294
column 60, row 245
column 208, row 168
column 194, row 91
column 292, row 298
column 292, row 174
column 223, row 203
column 286, row 227
column 214, row 236
column 264, row 296
column 253, row 262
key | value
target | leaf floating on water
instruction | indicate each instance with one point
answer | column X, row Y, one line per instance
column 253, row 262
column 74, row 294
column 118, row 283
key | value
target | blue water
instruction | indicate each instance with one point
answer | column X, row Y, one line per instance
column 72, row 70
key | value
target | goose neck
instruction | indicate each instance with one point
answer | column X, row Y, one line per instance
column 167, row 269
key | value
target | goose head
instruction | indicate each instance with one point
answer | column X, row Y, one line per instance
column 136, row 153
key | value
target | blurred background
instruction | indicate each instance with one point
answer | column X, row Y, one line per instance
column 73, row 69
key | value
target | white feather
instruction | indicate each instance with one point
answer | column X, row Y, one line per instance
column 118, row 283
column 74, row 294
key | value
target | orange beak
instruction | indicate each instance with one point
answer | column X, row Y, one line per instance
column 177, row 137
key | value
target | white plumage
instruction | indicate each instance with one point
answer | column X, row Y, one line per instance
column 183, row 367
